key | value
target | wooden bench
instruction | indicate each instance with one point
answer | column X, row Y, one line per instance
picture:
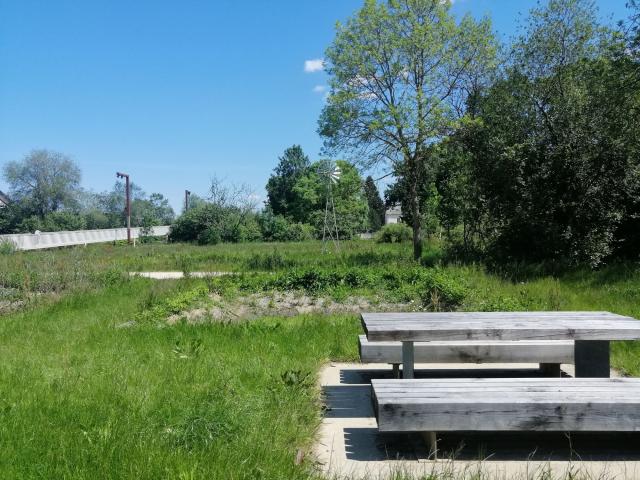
column 531, row 404
column 548, row 353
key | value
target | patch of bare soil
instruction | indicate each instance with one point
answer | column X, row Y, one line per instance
column 288, row 304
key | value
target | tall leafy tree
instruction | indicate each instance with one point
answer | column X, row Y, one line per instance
column 43, row 182
column 400, row 71
column 553, row 151
column 291, row 166
column 376, row 205
column 311, row 191
column 633, row 30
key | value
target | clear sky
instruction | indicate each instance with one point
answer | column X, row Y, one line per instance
column 174, row 92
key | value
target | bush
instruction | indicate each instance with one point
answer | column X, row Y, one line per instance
column 441, row 291
column 210, row 224
column 63, row 221
column 276, row 228
column 394, row 233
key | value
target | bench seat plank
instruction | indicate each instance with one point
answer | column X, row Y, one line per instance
column 487, row 351
column 532, row 404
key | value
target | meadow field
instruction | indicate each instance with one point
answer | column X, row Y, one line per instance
column 105, row 375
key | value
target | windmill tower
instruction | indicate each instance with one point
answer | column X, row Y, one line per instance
column 331, row 173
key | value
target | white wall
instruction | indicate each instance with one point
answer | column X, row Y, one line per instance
column 35, row 241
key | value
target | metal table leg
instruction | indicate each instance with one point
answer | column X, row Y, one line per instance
column 592, row 358
column 407, row 359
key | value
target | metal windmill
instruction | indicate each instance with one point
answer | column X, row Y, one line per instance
column 331, row 174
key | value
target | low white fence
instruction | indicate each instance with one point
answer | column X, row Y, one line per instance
column 35, row 241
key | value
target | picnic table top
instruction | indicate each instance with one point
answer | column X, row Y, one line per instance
column 452, row 326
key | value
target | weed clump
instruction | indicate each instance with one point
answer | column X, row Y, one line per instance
column 156, row 307
column 7, row 247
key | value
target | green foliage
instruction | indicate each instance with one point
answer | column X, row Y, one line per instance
column 210, row 224
column 127, row 404
column 394, row 233
column 81, row 210
column 296, row 379
column 107, row 209
column 54, row 222
column 435, row 289
column 546, row 166
column 276, row 228
column 153, row 402
column 268, row 261
column 7, row 247
column 155, row 308
column 399, row 71
column 350, row 205
column 291, row 166
column 43, row 182
column 375, row 203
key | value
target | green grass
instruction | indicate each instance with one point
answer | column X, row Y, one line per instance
column 93, row 383
column 83, row 399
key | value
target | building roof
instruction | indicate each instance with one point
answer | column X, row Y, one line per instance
column 4, row 200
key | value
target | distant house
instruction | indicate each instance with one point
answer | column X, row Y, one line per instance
column 4, row 200
column 393, row 214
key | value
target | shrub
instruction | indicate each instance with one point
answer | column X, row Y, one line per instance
column 441, row 291
column 276, row 228
column 210, row 224
column 394, row 233
column 54, row 222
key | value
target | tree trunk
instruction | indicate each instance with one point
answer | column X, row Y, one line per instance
column 415, row 216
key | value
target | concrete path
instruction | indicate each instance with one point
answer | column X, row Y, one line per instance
column 178, row 275
column 349, row 445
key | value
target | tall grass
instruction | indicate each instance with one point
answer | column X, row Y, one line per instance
column 81, row 398
column 85, row 392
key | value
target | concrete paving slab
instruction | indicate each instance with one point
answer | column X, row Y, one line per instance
column 177, row 275
column 349, row 446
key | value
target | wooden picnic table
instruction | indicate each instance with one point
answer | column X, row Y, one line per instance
column 590, row 331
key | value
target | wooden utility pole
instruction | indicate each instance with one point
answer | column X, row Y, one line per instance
column 187, row 195
column 128, row 202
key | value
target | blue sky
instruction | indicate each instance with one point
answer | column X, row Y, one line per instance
column 174, row 92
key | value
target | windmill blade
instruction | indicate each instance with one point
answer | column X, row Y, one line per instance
column 335, row 174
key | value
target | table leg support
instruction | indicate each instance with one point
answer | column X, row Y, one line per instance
column 431, row 440
column 407, row 359
column 592, row 358
column 550, row 369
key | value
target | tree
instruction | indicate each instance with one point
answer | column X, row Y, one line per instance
column 43, row 182
column 398, row 73
column 112, row 203
column 552, row 156
column 376, row 205
column 351, row 208
column 633, row 29
column 152, row 211
column 228, row 216
column 291, row 166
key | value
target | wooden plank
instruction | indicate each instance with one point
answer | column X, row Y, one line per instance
column 533, row 404
column 538, row 314
column 524, row 351
column 482, row 326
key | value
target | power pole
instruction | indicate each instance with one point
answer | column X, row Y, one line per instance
column 128, row 204
column 187, row 196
